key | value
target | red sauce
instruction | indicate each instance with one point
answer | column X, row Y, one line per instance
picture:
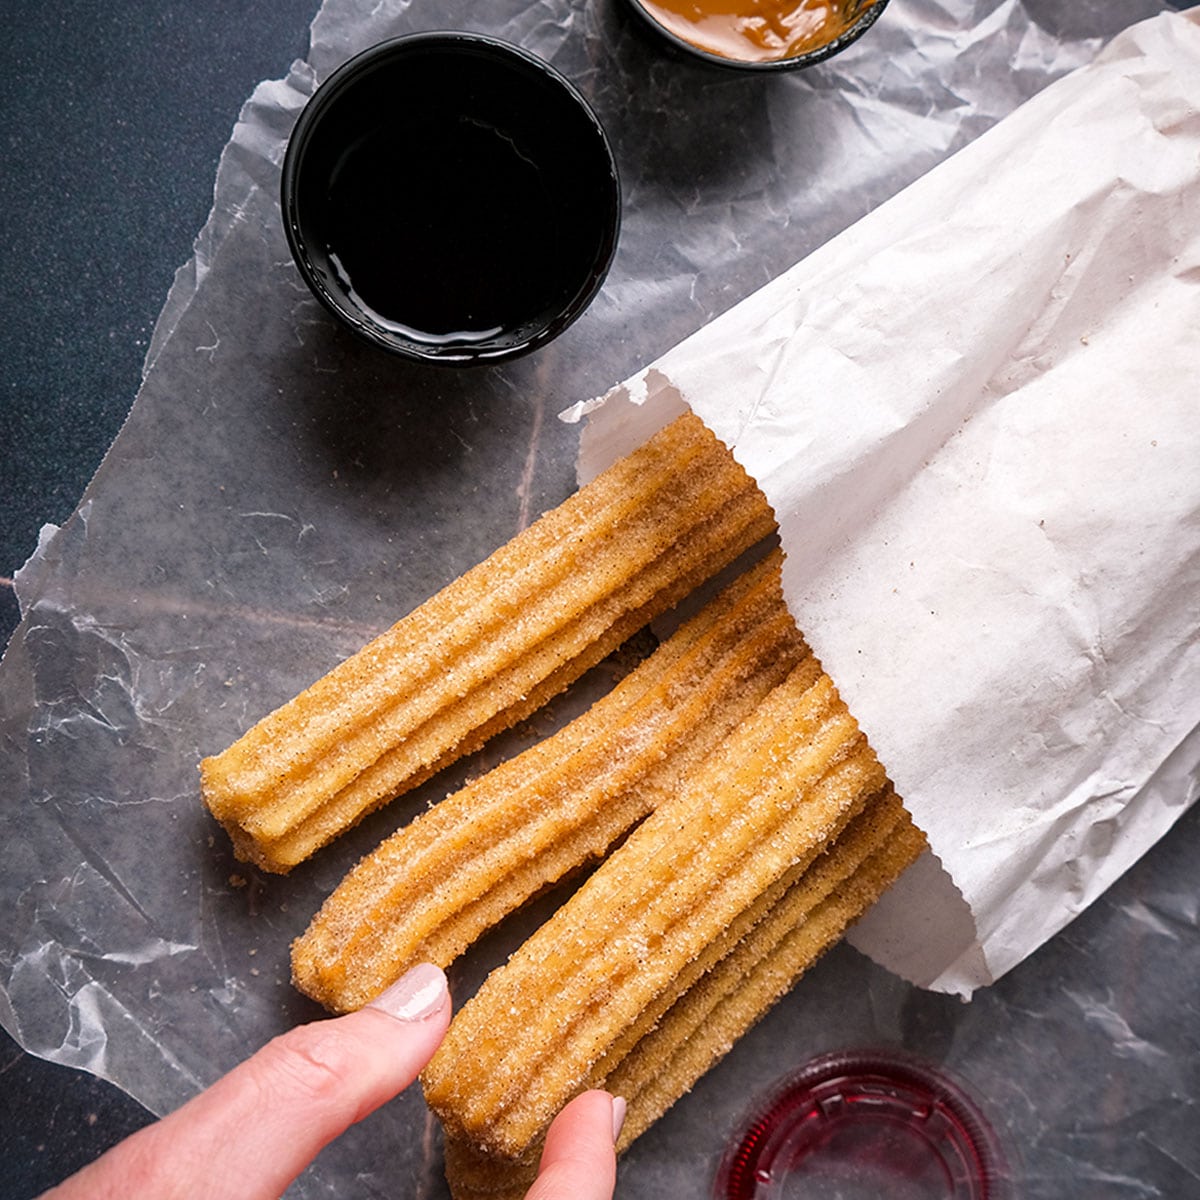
column 757, row 30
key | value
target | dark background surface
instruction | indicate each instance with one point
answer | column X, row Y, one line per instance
column 113, row 118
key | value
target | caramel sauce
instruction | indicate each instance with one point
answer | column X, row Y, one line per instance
column 757, row 30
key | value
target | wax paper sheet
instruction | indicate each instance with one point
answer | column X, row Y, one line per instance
column 976, row 415
column 280, row 493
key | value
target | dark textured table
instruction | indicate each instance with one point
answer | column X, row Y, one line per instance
column 114, row 117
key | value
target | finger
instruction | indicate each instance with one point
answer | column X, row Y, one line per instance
column 255, row 1130
column 579, row 1162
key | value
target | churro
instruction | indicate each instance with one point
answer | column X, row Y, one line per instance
column 709, row 1018
column 784, row 783
column 490, row 648
column 753, row 963
column 548, row 811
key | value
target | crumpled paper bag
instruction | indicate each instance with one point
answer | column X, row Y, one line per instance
column 977, row 415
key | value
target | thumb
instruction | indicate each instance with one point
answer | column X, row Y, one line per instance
column 578, row 1159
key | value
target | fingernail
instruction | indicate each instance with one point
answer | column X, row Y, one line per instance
column 416, row 995
column 618, row 1114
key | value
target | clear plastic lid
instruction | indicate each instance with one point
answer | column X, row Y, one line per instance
column 860, row 1125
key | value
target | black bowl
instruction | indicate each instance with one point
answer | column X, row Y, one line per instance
column 451, row 198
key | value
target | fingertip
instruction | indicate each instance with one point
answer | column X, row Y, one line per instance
column 419, row 994
column 308, row 1084
column 619, row 1108
column 579, row 1158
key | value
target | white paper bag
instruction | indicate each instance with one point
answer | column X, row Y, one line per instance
column 977, row 415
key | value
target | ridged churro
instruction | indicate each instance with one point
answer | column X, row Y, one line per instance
column 490, row 648
column 784, row 784
column 811, row 917
column 551, row 809
column 752, row 964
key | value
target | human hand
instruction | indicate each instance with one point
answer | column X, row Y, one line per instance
column 251, row 1133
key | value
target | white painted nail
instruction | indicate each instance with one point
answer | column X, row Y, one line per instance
column 618, row 1115
column 416, row 995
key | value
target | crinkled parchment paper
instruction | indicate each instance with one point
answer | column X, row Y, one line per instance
column 977, row 416
column 280, row 493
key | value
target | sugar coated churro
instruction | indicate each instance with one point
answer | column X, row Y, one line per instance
column 784, row 784
column 753, row 963
column 752, row 820
column 563, row 802
column 794, row 932
column 490, row 648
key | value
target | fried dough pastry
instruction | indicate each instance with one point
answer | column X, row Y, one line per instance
column 752, row 964
column 710, row 1017
column 780, row 788
column 548, row 811
column 490, row 648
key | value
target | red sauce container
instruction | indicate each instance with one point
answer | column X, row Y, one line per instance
column 864, row 1125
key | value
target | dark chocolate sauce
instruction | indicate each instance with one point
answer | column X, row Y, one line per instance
column 455, row 196
column 457, row 252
